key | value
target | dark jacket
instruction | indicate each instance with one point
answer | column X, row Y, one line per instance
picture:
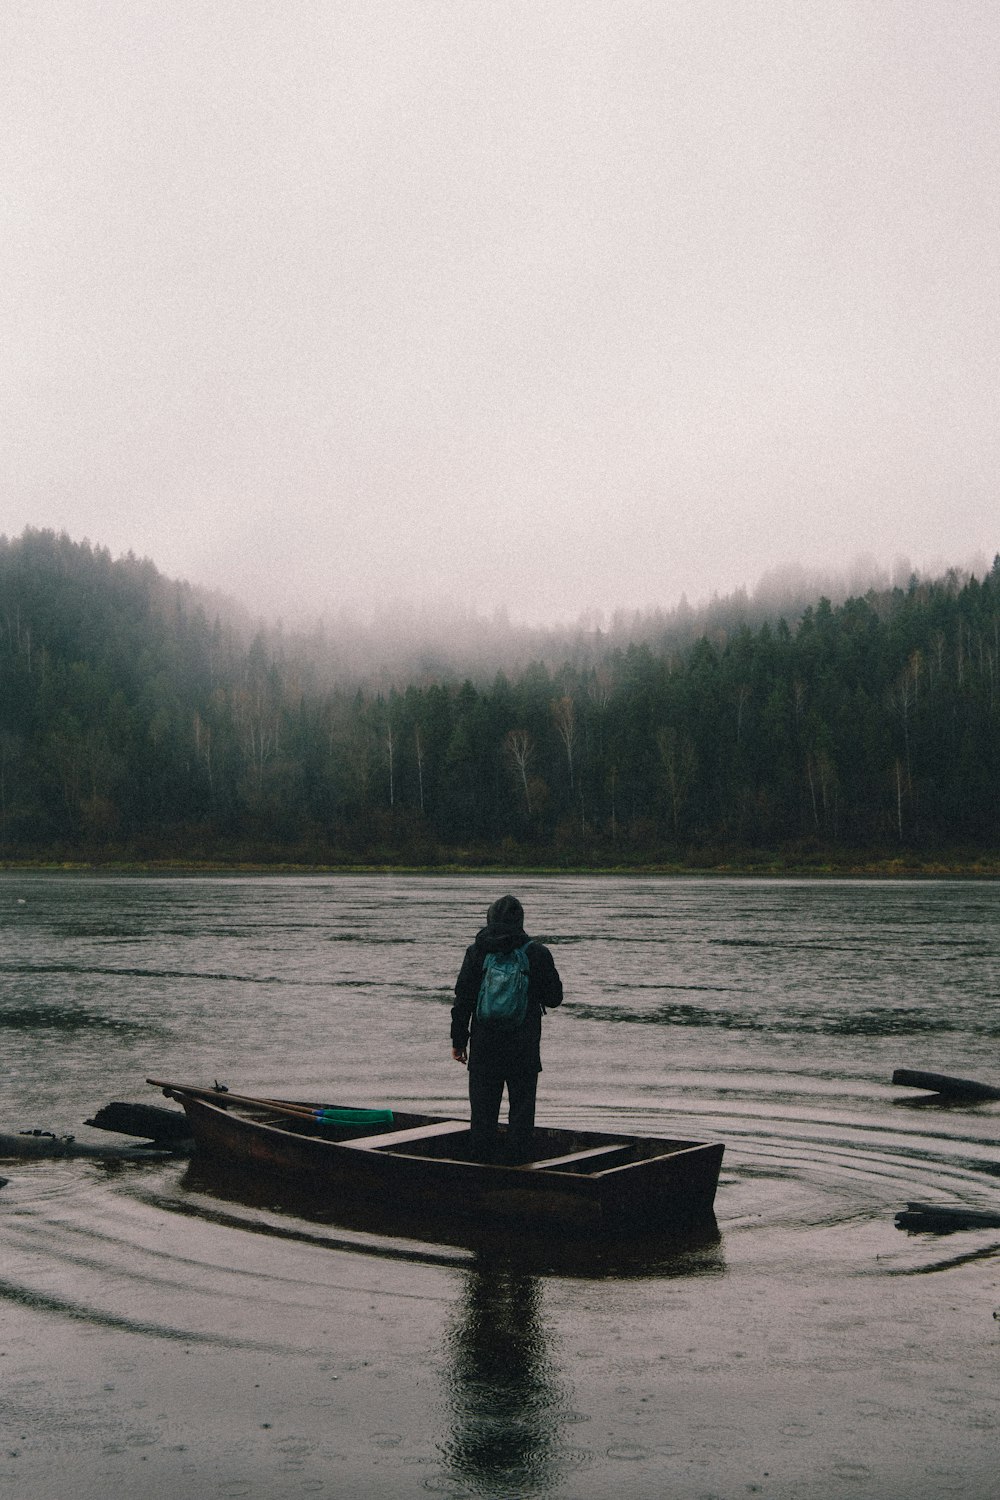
column 489, row 1047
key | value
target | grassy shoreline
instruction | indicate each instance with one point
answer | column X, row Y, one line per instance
column 771, row 866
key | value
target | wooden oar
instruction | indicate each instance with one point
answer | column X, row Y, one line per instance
column 292, row 1108
column 300, row 1111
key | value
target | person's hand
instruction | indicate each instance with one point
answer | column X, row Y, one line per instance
column 460, row 1055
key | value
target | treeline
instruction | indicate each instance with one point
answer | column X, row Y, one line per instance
column 140, row 718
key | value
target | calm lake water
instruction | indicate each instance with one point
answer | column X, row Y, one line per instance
column 163, row 1335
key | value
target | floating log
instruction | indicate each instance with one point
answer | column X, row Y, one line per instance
column 42, row 1143
column 164, row 1132
column 943, row 1218
column 166, row 1127
column 940, row 1083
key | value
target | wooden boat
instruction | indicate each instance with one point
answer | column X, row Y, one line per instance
column 577, row 1179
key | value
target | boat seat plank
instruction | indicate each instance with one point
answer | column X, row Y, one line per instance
column 392, row 1138
column 572, row 1157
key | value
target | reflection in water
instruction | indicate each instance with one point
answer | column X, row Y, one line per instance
column 507, row 1402
column 404, row 1233
column 510, row 1404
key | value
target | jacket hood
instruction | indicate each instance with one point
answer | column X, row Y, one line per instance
column 504, row 928
column 506, row 914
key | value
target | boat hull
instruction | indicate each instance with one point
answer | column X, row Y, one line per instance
column 649, row 1184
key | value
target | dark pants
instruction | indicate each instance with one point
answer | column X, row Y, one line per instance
column 486, row 1085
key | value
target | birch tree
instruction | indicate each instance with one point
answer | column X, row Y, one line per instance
column 564, row 714
column 677, row 753
column 418, row 746
column 519, row 749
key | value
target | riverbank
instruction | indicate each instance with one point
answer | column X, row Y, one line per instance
column 776, row 866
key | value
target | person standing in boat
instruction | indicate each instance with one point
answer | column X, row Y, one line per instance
column 500, row 1041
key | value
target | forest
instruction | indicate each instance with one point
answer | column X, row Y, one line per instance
column 143, row 720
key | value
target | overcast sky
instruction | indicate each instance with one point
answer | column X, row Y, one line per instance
column 557, row 304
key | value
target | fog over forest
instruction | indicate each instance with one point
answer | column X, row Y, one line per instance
column 143, row 719
column 397, row 642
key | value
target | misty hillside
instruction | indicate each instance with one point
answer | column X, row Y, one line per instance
column 141, row 717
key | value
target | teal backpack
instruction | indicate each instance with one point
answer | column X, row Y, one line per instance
column 503, row 993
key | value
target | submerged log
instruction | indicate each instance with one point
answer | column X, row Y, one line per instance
column 940, row 1083
column 42, row 1143
column 167, row 1127
column 944, row 1218
column 164, row 1133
